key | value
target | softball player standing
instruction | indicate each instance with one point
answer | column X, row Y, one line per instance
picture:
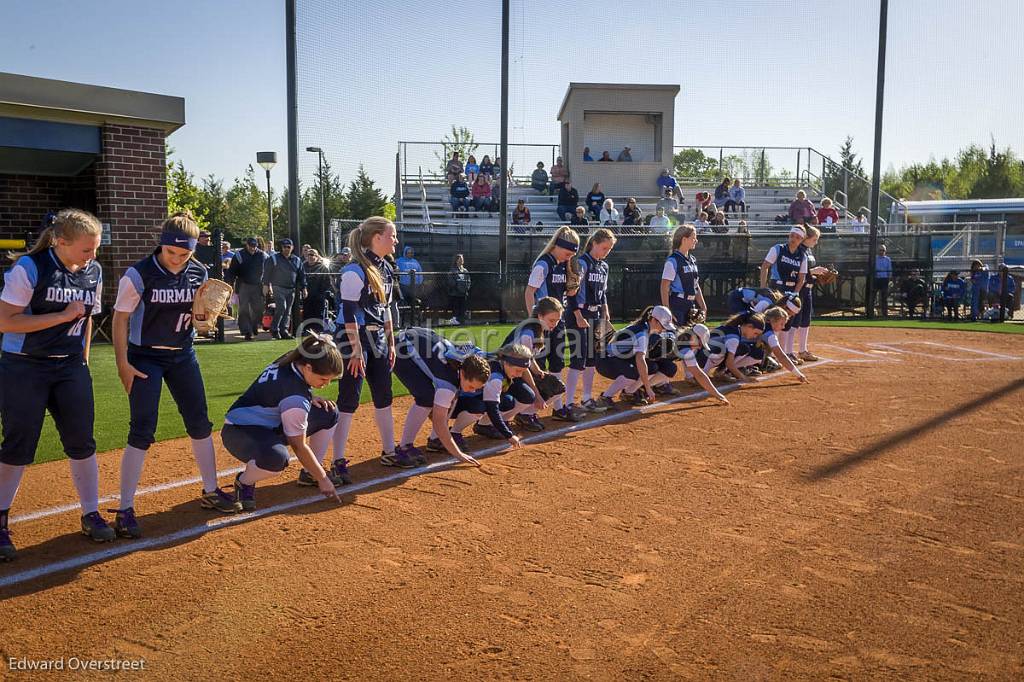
column 153, row 344
column 366, row 337
column 585, row 311
column 279, row 411
column 548, row 278
column 803, row 318
column 787, row 266
column 46, row 309
column 680, row 286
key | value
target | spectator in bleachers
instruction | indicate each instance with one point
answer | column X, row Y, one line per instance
column 979, row 288
column 667, row 183
column 568, row 200
column 459, row 283
column 472, row 169
column 459, row 194
column 722, row 194
column 737, row 197
column 742, row 228
column 660, row 221
column 860, row 224
column 701, row 223
column 719, row 218
column 487, row 168
column 883, row 275
column 632, row 215
column 609, row 214
column 952, row 293
column 481, row 191
column 558, row 175
column 579, row 219
column 539, row 179
column 586, row 154
column 497, row 171
column 668, row 204
column 521, row 213
column 595, row 200
column 801, row 211
column 624, row 155
column 703, row 203
column 454, row 168
column 606, row 157
column 915, row 293
column 828, row 216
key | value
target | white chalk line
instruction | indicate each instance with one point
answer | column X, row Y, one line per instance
column 874, row 357
column 127, row 547
column 987, row 357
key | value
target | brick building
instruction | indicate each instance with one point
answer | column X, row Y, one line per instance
column 84, row 146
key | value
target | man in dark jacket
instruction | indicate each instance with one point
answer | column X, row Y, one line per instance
column 568, row 200
column 246, row 274
column 285, row 277
column 320, row 295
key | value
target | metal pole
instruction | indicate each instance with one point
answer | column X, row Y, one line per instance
column 270, row 211
column 323, row 224
column 218, row 273
column 293, row 122
column 876, row 172
column 798, row 167
column 503, row 190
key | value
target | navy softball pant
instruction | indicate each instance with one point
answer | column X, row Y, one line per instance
column 582, row 350
column 420, row 386
column 180, row 369
column 269, row 447
column 806, row 307
column 736, row 303
column 612, row 367
column 28, row 388
column 680, row 308
column 553, row 356
column 377, row 374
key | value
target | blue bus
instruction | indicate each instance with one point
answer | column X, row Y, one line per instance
column 1010, row 211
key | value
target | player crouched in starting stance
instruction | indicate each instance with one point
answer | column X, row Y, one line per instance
column 534, row 333
column 279, row 411
column 510, row 389
column 625, row 361
column 436, row 373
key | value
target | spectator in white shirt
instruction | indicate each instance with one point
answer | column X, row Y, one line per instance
column 701, row 223
column 660, row 221
column 860, row 224
column 737, row 197
column 609, row 214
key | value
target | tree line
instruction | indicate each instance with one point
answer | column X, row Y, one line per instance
column 240, row 209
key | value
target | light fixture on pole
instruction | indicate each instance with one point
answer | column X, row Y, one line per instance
column 268, row 160
column 320, row 159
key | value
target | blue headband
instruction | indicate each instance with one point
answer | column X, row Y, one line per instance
column 179, row 240
column 516, row 362
column 566, row 244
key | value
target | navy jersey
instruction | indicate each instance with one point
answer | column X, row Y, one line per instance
column 279, row 399
column 592, row 296
column 160, row 303
column 630, row 340
column 530, row 333
column 437, row 357
column 40, row 284
column 758, row 300
column 786, row 266
column 725, row 339
column 359, row 303
column 548, row 277
column 681, row 271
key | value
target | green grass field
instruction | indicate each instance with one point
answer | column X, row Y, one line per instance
column 228, row 370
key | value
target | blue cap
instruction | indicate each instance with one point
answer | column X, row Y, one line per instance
column 287, row 242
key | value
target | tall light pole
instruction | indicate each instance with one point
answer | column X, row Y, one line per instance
column 876, row 170
column 323, row 228
column 268, row 160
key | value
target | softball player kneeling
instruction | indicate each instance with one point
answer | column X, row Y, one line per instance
column 153, row 344
column 776, row 319
column 436, row 373
column 626, row 363
column 509, row 391
column 697, row 339
column 534, row 333
column 46, row 309
column 279, row 411
column 725, row 346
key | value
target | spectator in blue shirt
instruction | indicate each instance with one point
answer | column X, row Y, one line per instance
column 667, row 182
column 997, row 295
column 883, row 276
column 586, row 154
column 979, row 288
column 952, row 293
column 460, row 194
column 410, row 280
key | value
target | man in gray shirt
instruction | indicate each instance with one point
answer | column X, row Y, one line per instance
column 284, row 275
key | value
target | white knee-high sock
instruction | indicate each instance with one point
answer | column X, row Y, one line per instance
column 801, row 336
column 320, row 442
column 414, row 421
column 131, row 471
column 10, row 479
column 787, row 338
column 386, row 427
column 746, row 361
column 86, row 476
column 620, row 383
column 464, row 420
column 571, row 380
column 253, row 474
column 634, row 386
column 206, row 460
column 340, row 438
column 588, row 383
column 558, row 402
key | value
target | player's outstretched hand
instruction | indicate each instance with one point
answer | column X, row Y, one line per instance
column 515, row 442
column 328, row 490
column 721, row 399
column 468, row 459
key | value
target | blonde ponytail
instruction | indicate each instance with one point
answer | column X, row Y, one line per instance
column 359, row 241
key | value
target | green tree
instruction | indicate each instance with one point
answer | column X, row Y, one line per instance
column 335, row 205
column 182, row 192
column 692, row 163
column 461, row 140
column 245, row 211
column 364, row 198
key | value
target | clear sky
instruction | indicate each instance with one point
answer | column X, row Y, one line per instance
column 752, row 72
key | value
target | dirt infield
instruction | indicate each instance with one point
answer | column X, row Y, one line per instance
column 867, row 525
